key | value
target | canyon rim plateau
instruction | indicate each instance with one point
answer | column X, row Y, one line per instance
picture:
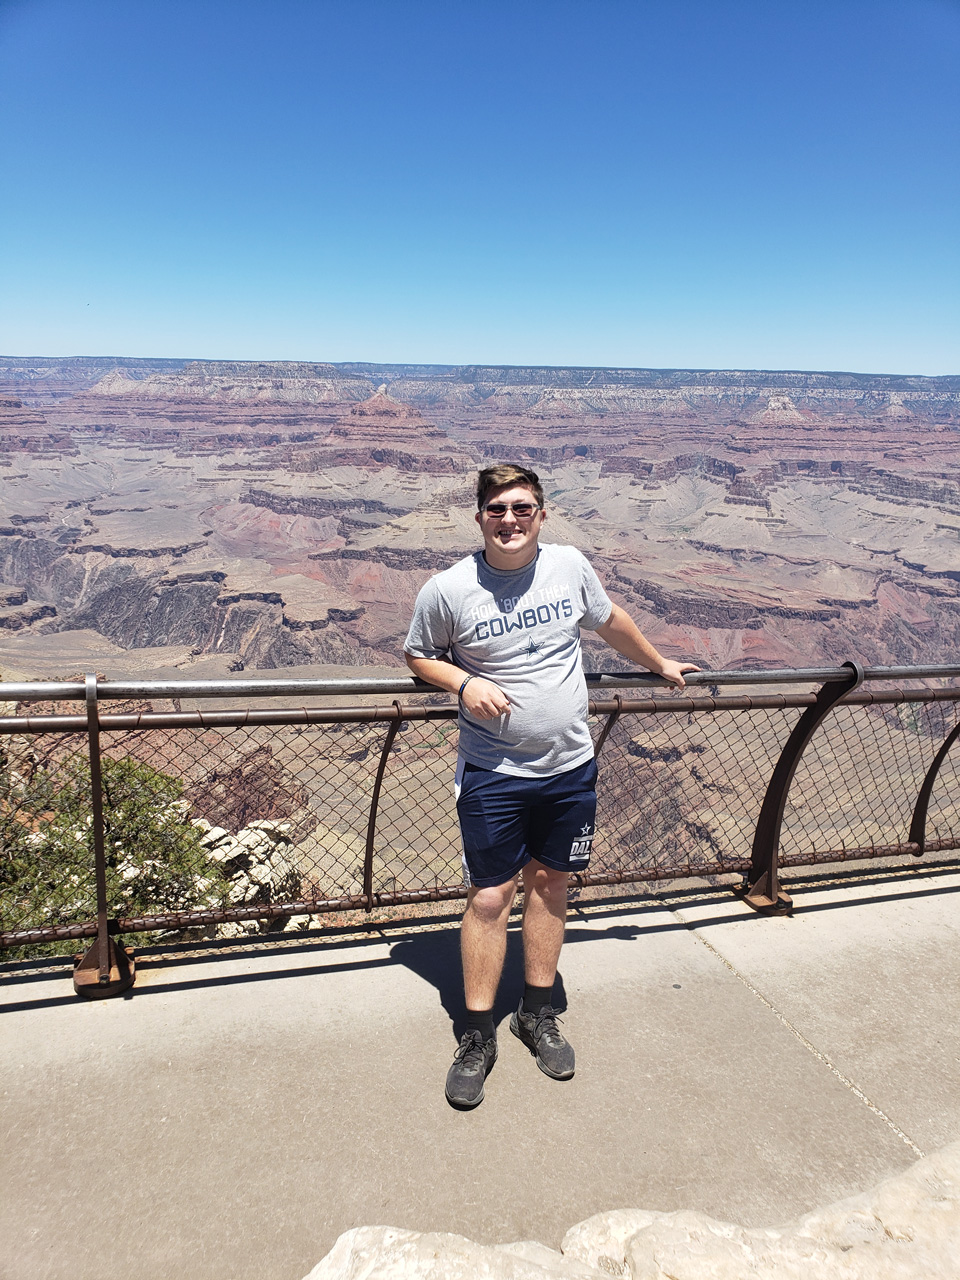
column 202, row 517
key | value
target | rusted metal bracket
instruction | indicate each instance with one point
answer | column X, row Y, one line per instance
column 761, row 889
column 612, row 719
column 918, row 823
column 392, row 732
column 108, row 967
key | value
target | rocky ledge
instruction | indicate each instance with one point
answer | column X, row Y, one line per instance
column 907, row 1228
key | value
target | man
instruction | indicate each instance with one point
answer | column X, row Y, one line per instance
column 501, row 629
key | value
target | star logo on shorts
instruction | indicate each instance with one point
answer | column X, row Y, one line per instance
column 533, row 648
column 585, row 830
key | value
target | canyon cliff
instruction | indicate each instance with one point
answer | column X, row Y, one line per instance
column 286, row 514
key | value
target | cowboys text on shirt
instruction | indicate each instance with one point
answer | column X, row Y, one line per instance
column 522, row 619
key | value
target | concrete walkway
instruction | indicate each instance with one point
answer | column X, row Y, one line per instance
column 244, row 1106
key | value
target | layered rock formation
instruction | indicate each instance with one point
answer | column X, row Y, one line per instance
column 240, row 382
column 542, row 391
column 49, row 379
column 287, row 513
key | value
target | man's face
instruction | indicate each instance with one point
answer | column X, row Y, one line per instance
column 510, row 541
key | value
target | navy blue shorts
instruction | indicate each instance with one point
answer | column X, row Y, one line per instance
column 505, row 821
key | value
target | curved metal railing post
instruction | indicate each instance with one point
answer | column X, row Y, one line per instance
column 107, row 968
column 612, row 719
column 392, row 732
column 761, row 890
column 918, row 823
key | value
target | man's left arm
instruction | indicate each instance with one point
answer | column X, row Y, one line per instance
column 620, row 632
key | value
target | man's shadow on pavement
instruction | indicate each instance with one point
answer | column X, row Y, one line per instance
column 435, row 957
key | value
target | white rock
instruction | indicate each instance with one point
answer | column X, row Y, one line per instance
column 240, row 891
column 552, row 1260
column 213, row 835
column 601, row 1241
column 237, row 929
column 260, row 873
column 255, row 843
column 226, row 850
column 688, row 1245
column 276, row 830
column 907, row 1228
column 282, row 866
column 387, row 1253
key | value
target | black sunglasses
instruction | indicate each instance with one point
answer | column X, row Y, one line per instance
column 522, row 510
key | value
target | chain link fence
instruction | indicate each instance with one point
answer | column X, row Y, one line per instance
column 857, row 783
column 220, row 823
column 679, row 792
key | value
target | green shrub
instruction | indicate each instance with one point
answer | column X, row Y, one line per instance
column 155, row 861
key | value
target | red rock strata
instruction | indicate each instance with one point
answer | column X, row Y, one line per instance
column 288, row 513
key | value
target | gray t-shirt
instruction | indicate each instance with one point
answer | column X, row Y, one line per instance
column 519, row 628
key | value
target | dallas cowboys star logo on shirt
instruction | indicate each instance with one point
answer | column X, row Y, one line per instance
column 533, row 648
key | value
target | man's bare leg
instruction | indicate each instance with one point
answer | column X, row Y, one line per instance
column 483, row 945
column 544, row 918
column 483, row 942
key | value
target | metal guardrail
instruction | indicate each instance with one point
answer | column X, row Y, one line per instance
column 126, row 690
column 356, row 802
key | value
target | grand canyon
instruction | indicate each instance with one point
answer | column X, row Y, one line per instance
column 201, row 517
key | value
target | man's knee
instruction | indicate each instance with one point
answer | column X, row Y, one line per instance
column 491, row 902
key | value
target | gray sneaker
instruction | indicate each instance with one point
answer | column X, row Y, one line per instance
column 540, row 1033
column 472, row 1063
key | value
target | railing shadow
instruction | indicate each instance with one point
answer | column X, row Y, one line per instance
column 433, row 953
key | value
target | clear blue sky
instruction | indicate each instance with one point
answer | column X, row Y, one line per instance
column 668, row 183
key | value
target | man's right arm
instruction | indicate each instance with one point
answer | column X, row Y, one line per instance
column 483, row 699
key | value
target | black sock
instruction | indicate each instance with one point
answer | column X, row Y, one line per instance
column 482, row 1022
column 534, row 998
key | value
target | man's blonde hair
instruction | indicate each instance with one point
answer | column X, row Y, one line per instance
column 504, row 474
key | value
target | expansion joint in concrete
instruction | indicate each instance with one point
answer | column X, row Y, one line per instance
column 807, row 1044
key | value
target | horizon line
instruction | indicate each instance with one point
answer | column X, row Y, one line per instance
column 428, row 364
